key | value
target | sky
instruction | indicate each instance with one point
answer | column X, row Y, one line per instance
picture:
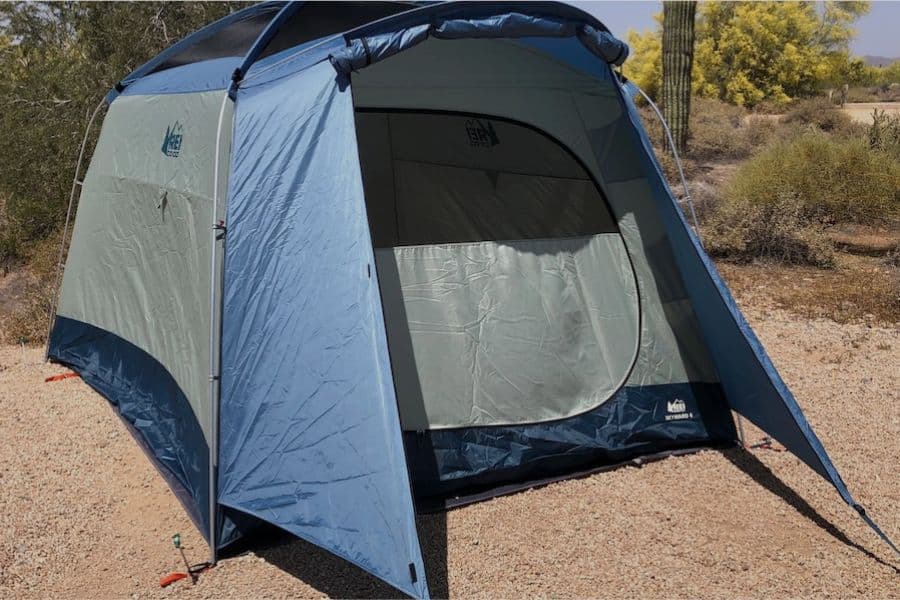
column 877, row 32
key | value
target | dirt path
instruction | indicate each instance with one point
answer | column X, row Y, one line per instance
column 83, row 514
column 861, row 112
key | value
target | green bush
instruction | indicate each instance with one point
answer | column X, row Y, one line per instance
column 66, row 55
column 834, row 180
column 822, row 114
column 780, row 202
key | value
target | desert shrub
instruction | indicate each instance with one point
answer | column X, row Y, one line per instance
column 705, row 197
column 763, row 130
column 780, row 202
column 769, row 107
column 717, row 131
column 652, row 125
column 892, row 258
column 778, row 231
column 884, row 133
column 887, row 92
column 834, row 180
column 28, row 322
column 822, row 114
column 863, row 94
column 661, row 148
column 9, row 240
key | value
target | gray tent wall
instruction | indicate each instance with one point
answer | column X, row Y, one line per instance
column 133, row 315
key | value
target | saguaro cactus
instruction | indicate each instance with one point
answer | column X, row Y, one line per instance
column 677, row 61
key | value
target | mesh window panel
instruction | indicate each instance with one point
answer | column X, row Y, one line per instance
column 235, row 39
column 320, row 19
column 313, row 21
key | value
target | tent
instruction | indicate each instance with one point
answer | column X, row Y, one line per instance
column 334, row 262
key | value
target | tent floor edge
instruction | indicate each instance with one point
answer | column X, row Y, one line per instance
column 432, row 505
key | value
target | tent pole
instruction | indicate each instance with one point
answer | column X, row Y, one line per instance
column 684, row 185
column 690, row 202
column 215, row 347
column 76, row 183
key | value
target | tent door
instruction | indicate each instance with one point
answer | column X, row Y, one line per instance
column 310, row 433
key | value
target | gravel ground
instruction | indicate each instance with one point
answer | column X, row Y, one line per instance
column 84, row 514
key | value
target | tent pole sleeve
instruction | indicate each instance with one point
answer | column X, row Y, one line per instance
column 76, row 183
column 690, row 203
column 214, row 342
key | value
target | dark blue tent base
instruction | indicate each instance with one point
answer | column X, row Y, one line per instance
column 147, row 399
column 428, row 505
column 446, row 464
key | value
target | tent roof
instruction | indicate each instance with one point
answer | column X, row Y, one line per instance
column 264, row 36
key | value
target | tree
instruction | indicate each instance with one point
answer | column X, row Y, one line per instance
column 58, row 61
column 677, row 61
column 644, row 64
column 890, row 74
column 746, row 52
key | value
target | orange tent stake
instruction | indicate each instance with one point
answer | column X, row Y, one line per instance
column 171, row 578
column 60, row 377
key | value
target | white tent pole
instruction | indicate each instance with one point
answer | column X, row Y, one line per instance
column 684, row 185
column 690, row 202
column 76, row 183
column 214, row 343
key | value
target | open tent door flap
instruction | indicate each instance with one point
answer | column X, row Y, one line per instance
column 310, row 432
